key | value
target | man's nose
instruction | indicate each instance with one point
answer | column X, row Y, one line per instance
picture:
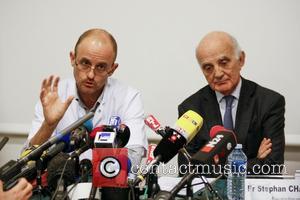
column 91, row 73
column 218, row 72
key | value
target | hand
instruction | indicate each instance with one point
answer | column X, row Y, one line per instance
column 264, row 148
column 21, row 191
column 53, row 108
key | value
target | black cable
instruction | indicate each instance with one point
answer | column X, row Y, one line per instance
column 60, row 179
column 76, row 183
column 194, row 184
column 131, row 192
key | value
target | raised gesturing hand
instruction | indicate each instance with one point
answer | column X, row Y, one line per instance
column 53, row 107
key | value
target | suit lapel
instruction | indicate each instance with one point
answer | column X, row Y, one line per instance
column 244, row 110
column 211, row 109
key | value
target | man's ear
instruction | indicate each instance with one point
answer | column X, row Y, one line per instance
column 72, row 58
column 242, row 58
column 113, row 68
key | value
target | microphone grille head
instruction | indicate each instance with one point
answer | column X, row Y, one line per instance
column 215, row 129
column 88, row 125
column 123, row 135
column 190, row 123
column 55, row 169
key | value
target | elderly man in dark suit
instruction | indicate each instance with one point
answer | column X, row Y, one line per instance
column 256, row 114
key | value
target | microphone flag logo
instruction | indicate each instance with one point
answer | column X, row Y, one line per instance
column 110, row 167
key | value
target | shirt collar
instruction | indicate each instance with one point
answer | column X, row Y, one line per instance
column 99, row 100
column 235, row 93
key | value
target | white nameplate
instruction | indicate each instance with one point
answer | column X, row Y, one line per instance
column 275, row 189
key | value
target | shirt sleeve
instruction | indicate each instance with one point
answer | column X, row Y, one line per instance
column 35, row 124
column 133, row 117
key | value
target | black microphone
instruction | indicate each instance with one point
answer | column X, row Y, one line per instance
column 221, row 144
column 223, row 141
column 85, row 167
column 3, row 142
column 122, row 137
column 77, row 138
column 186, row 127
column 36, row 153
column 61, row 173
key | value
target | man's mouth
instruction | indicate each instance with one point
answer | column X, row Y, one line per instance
column 88, row 84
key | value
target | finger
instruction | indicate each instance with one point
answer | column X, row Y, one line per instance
column 264, row 141
column 27, row 196
column 68, row 101
column 49, row 83
column 266, row 153
column 42, row 94
column 266, row 146
column 55, row 85
column 1, row 186
column 28, row 190
column 22, row 184
column 44, row 83
column 267, row 141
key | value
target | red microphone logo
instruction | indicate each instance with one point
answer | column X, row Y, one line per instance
column 152, row 122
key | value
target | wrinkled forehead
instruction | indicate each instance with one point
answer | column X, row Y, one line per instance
column 214, row 52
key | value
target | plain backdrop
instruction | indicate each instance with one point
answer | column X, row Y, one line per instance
column 156, row 55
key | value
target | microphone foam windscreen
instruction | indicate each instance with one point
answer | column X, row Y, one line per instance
column 215, row 129
column 88, row 125
column 123, row 136
column 189, row 124
column 55, row 169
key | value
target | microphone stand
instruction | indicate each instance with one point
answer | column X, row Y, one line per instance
column 40, row 190
column 189, row 178
column 153, row 186
column 92, row 192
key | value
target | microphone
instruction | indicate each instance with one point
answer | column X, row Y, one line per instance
column 186, row 128
column 150, row 155
column 122, row 130
column 3, row 142
column 36, row 153
column 29, row 171
column 213, row 131
column 222, row 143
column 107, row 136
column 61, row 173
column 78, row 137
column 123, row 135
column 115, row 121
column 155, row 126
column 104, row 138
column 85, row 167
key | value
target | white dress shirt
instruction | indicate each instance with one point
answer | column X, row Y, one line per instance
column 116, row 100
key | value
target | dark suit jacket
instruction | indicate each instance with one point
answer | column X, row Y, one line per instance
column 260, row 114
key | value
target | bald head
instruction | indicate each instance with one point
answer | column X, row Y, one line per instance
column 99, row 36
column 217, row 39
column 221, row 61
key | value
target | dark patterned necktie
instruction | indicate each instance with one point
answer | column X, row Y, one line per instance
column 228, row 123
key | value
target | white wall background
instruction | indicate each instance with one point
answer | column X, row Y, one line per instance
column 156, row 49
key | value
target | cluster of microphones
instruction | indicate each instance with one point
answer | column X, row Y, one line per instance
column 58, row 157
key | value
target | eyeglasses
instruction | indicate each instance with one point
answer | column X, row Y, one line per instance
column 85, row 66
